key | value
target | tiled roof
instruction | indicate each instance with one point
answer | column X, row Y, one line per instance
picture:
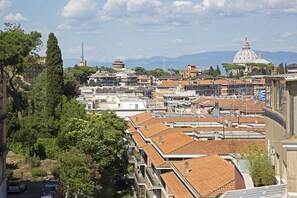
column 170, row 140
column 220, row 128
column 210, row 147
column 153, row 129
column 209, row 175
column 131, row 129
column 171, row 83
column 140, row 118
column 153, row 155
column 215, row 119
column 139, row 141
column 230, row 103
column 175, row 186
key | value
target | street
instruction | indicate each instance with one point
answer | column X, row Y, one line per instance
column 34, row 191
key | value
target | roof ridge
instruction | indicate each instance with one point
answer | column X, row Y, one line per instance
column 182, row 146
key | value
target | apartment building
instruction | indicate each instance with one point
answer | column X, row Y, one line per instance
column 169, row 161
column 281, row 127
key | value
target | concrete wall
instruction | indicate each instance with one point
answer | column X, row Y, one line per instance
column 3, row 189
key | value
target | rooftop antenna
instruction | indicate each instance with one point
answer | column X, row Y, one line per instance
column 83, row 62
column 82, row 51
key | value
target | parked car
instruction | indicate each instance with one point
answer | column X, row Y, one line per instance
column 16, row 187
column 52, row 183
column 51, row 190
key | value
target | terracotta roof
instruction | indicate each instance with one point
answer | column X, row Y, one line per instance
column 153, row 129
column 139, row 141
column 171, row 83
column 170, row 140
column 153, row 155
column 215, row 119
column 175, row 186
column 208, row 174
column 131, row 129
column 210, row 147
column 220, row 128
column 140, row 118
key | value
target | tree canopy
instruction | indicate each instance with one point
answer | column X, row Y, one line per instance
column 17, row 52
column 54, row 75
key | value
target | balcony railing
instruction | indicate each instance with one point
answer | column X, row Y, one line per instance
column 155, row 181
column 139, row 177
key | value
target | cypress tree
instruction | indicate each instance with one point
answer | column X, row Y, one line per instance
column 54, row 75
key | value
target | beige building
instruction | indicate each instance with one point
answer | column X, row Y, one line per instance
column 190, row 72
column 281, row 127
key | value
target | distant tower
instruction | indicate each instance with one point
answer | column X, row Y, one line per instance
column 82, row 62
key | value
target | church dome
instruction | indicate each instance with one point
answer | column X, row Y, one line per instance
column 245, row 55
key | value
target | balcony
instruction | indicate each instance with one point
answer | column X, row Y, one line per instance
column 155, row 181
column 139, row 177
column 150, row 193
column 131, row 158
column 131, row 143
column 138, row 157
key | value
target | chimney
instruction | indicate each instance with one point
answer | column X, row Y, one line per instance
column 187, row 167
column 160, row 139
column 136, row 118
column 145, row 127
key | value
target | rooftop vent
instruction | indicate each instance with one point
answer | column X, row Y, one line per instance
column 187, row 167
column 160, row 139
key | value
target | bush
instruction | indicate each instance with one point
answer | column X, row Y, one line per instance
column 38, row 172
column 56, row 172
column 35, row 161
column 9, row 173
column 47, row 148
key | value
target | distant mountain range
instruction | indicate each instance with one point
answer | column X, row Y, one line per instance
column 202, row 60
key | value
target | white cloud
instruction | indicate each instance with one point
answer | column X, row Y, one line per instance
column 128, row 8
column 4, row 5
column 14, row 17
column 79, row 9
column 157, row 14
column 289, row 35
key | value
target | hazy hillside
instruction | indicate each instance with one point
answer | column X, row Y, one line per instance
column 203, row 60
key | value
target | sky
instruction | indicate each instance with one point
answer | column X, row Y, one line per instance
column 125, row 29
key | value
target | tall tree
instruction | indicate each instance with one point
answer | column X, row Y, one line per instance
column 54, row 77
column 281, row 69
column 17, row 52
column 211, row 71
column 218, row 71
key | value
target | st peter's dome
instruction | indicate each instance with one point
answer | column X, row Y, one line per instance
column 245, row 55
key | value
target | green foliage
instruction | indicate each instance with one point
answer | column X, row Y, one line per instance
column 281, row 69
column 34, row 161
column 47, row 148
column 102, row 138
column 54, row 75
column 56, row 171
column 9, row 173
column 16, row 51
column 158, row 72
column 140, row 71
column 71, row 86
column 82, row 73
column 38, row 172
column 261, row 169
column 78, row 173
column 229, row 67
